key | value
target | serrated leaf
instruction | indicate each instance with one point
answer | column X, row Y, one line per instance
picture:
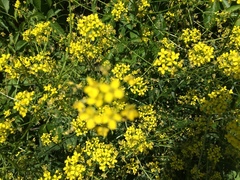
column 209, row 15
column 5, row 4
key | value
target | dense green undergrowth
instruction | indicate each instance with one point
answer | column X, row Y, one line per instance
column 122, row 89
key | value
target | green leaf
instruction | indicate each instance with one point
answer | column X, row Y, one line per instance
column 49, row 2
column 3, row 25
column 225, row 4
column 106, row 17
column 37, row 4
column 50, row 13
column 57, row 28
column 233, row 8
column 133, row 35
column 209, row 15
column 237, row 23
column 15, row 38
column 20, row 44
column 38, row 16
column 5, row 4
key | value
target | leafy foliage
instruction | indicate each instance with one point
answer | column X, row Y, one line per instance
column 119, row 89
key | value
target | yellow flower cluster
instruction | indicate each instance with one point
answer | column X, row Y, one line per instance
column 190, row 98
column 40, row 62
column 135, row 141
column 91, row 28
column 133, row 166
column 105, row 67
column 15, row 67
column 118, row 10
column 190, row 35
column 51, row 96
column 17, row 4
column 5, row 129
column 214, row 154
column 98, row 93
column 40, row 33
column 104, row 154
column 79, row 124
column 50, row 89
column 167, row 61
column 137, row 84
column 74, row 166
column 154, row 167
column 176, row 163
column 96, row 110
column 4, row 61
column 143, row 4
column 233, row 133
column 216, row 176
column 120, row 70
column 192, row 148
column 235, row 37
column 47, row 175
column 7, row 113
column 23, row 99
column 167, row 43
column 200, row 54
column 148, row 119
column 82, row 48
column 218, row 101
column 146, row 35
column 46, row 139
column 70, row 19
column 196, row 172
column 230, row 63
